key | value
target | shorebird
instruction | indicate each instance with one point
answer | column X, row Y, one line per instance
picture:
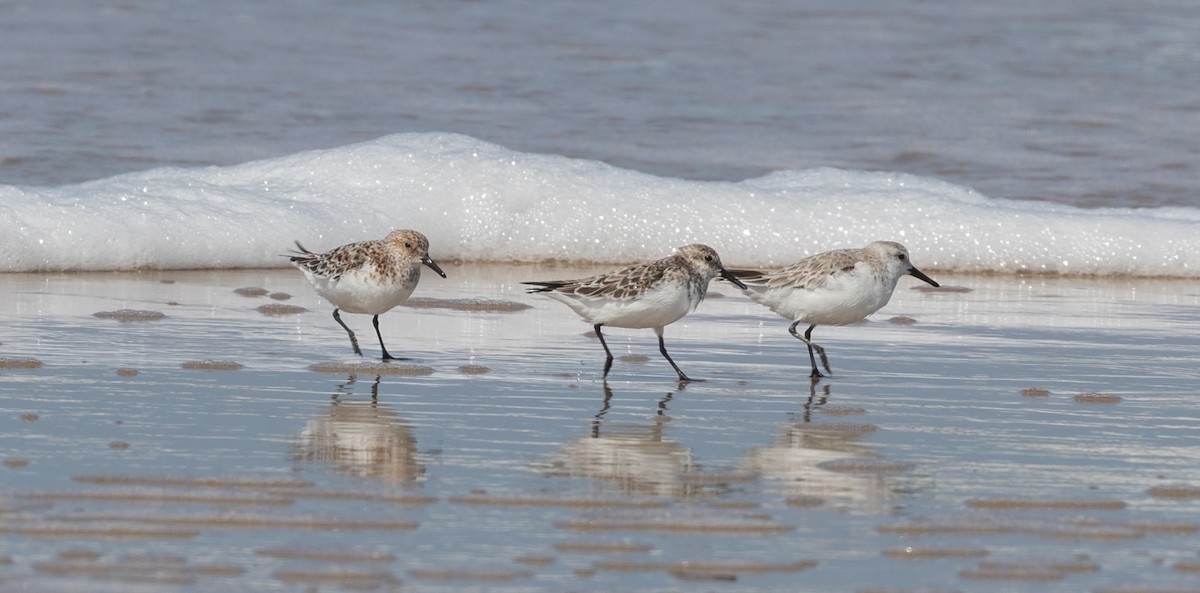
column 652, row 294
column 836, row 287
column 367, row 277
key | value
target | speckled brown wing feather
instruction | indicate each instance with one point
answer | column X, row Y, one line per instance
column 809, row 273
column 337, row 261
column 625, row 283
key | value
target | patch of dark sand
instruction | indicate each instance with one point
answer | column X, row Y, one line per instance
column 710, row 523
column 246, row 521
column 866, row 465
column 915, row 553
column 337, row 368
column 602, row 548
column 982, row 525
column 212, row 365
column 549, row 502
column 130, row 315
column 139, row 495
column 1022, row 504
column 186, row 482
column 278, row 310
column 478, row 305
column 469, row 574
column 1176, row 491
column 349, row 557
column 1097, row 398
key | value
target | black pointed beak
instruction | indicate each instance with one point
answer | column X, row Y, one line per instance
column 738, row 283
column 433, row 265
column 921, row 275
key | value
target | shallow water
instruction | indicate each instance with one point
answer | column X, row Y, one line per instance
column 1084, row 102
column 949, row 451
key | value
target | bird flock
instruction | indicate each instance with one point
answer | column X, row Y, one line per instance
column 835, row 287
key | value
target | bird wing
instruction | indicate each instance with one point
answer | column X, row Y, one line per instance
column 335, row 262
column 809, row 273
column 624, row 283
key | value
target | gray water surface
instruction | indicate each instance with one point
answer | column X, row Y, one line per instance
column 1025, row 433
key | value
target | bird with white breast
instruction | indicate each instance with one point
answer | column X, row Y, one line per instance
column 646, row 295
column 836, row 287
column 367, row 277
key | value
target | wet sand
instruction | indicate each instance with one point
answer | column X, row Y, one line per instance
column 193, row 430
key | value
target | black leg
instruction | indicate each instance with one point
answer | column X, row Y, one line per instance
column 662, row 347
column 807, row 339
column 817, row 347
column 353, row 340
column 607, row 361
column 386, row 356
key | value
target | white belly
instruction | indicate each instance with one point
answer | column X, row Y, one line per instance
column 836, row 303
column 358, row 293
column 655, row 308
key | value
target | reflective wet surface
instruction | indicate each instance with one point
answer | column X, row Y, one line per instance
column 1004, row 434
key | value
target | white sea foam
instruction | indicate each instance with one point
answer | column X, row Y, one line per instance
column 479, row 201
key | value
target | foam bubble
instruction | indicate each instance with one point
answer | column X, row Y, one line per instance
column 482, row 202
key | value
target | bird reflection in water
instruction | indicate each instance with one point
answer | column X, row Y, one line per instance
column 635, row 457
column 362, row 439
column 660, row 415
column 803, row 461
column 815, row 401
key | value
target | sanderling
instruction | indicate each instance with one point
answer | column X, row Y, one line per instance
column 368, row 277
column 832, row 288
column 652, row 294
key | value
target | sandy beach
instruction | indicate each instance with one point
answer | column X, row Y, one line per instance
column 192, row 430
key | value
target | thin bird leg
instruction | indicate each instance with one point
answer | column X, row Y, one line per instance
column 353, row 340
column 662, row 347
column 817, row 347
column 386, row 356
column 609, row 360
column 807, row 339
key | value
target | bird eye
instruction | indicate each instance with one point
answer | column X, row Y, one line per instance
column 901, row 256
column 409, row 246
column 708, row 258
